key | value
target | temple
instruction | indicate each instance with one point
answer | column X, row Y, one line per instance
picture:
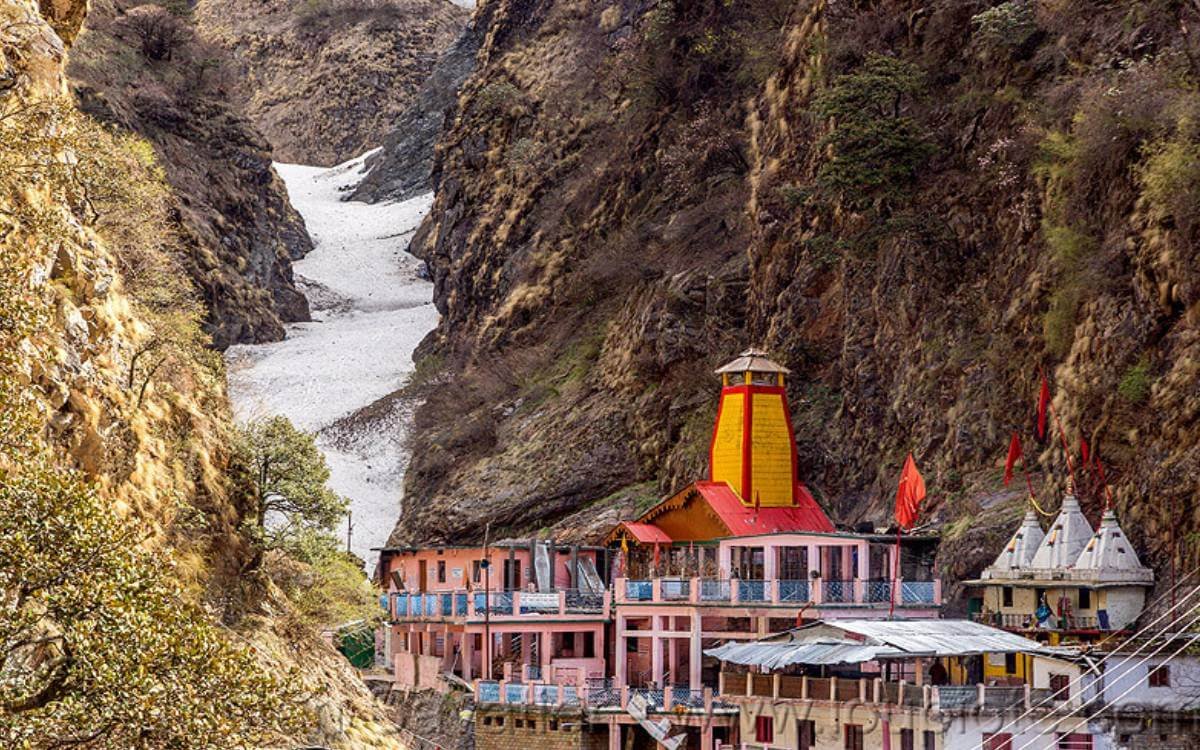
column 734, row 605
column 1071, row 583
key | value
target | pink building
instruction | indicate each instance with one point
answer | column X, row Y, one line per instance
column 534, row 609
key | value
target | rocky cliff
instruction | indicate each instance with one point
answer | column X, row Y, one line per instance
column 917, row 207
column 404, row 164
column 325, row 80
column 106, row 377
column 141, row 66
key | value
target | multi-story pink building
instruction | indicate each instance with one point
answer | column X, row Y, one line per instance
column 618, row 632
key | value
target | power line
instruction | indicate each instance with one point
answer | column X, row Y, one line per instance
column 1128, row 690
column 1049, row 699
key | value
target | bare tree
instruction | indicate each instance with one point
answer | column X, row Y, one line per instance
column 159, row 31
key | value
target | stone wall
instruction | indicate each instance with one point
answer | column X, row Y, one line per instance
column 536, row 728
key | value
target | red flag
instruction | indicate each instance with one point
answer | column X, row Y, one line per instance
column 909, row 494
column 1043, row 402
column 1100, row 469
column 1083, row 449
column 1014, row 453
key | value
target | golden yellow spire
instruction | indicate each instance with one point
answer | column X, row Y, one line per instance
column 753, row 446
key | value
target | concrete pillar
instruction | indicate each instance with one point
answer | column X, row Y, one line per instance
column 468, row 655
column 546, row 652
column 621, row 669
column 614, row 736
column 694, row 652
column 672, row 653
column 770, row 562
column 847, row 563
column 724, row 561
column 526, row 648
column 814, row 559
column 656, row 652
column 864, row 561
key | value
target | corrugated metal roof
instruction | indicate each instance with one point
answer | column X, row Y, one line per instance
column 779, row 654
column 936, row 637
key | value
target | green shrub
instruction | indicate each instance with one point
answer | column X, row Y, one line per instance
column 1006, row 27
column 1135, row 383
column 1058, row 325
column 1169, row 178
column 877, row 150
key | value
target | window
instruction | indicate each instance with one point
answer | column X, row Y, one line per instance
column 854, row 737
column 806, row 731
column 441, row 571
column 764, row 730
column 476, row 571
column 1074, row 742
column 1006, row 596
column 1010, row 663
column 1160, row 676
column 997, row 741
column 589, row 645
column 1060, row 682
column 906, row 739
column 930, row 740
column 1085, row 598
column 567, row 642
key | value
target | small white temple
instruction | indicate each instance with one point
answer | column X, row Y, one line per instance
column 1069, row 580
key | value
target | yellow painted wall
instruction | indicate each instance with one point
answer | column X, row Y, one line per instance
column 727, row 441
column 771, row 451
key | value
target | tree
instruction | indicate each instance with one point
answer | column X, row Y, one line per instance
column 876, row 148
column 289, row 480
column 159, row 31
column 98, row 647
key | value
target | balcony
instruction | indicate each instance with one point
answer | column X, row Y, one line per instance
column 1011, row 621
column 599, row 695
column 943, row 698
column 473, row 605
column 798, row 592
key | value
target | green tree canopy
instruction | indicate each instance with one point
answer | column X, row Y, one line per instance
column 289, row 478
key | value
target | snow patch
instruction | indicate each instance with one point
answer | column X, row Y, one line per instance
column 370, row 310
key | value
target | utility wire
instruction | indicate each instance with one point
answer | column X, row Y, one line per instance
column 1102, row 660
column 1127, row 691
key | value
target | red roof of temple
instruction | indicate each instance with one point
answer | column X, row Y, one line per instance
column 806, row 515
column 645, row 533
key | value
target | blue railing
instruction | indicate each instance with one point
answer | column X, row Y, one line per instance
column 545, row 695
column 460, row 605
column 640, row 591
column 447, row 603
column 879, row 591
column 676, row 589
column 682, row 695
column 516, row 693
column 431, row 603
column 570, row 695
column 794, row 591
column 838, row 591
column 754, row 591
column 489, row 692
column 917, row 592
column 714, row 590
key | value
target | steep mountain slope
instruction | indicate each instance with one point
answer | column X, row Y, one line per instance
column 915, row 206
column 402, row 168
column 325, row 80
column 242, row 232
column 105, row 379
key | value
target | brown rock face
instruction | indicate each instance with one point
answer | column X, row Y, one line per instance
column 167, row 85
column 626, row 198
column 325, row 79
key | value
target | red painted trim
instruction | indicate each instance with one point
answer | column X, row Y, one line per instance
column 747, row 452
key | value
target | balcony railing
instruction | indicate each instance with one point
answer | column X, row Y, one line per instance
column 446, row 605
column 947, row 698
column 817, row 591
column 599, row 694
column 1013, row 621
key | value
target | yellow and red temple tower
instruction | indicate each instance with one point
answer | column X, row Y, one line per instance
column 752, row 485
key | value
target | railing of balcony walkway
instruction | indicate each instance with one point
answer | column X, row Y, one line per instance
column 714, row 590
column 753, row 591
column 639, row 591
column 584, row 602
column 794, row 591
column 675, row 589
column 878, row 592
column 917, row 592
column 837, row 591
